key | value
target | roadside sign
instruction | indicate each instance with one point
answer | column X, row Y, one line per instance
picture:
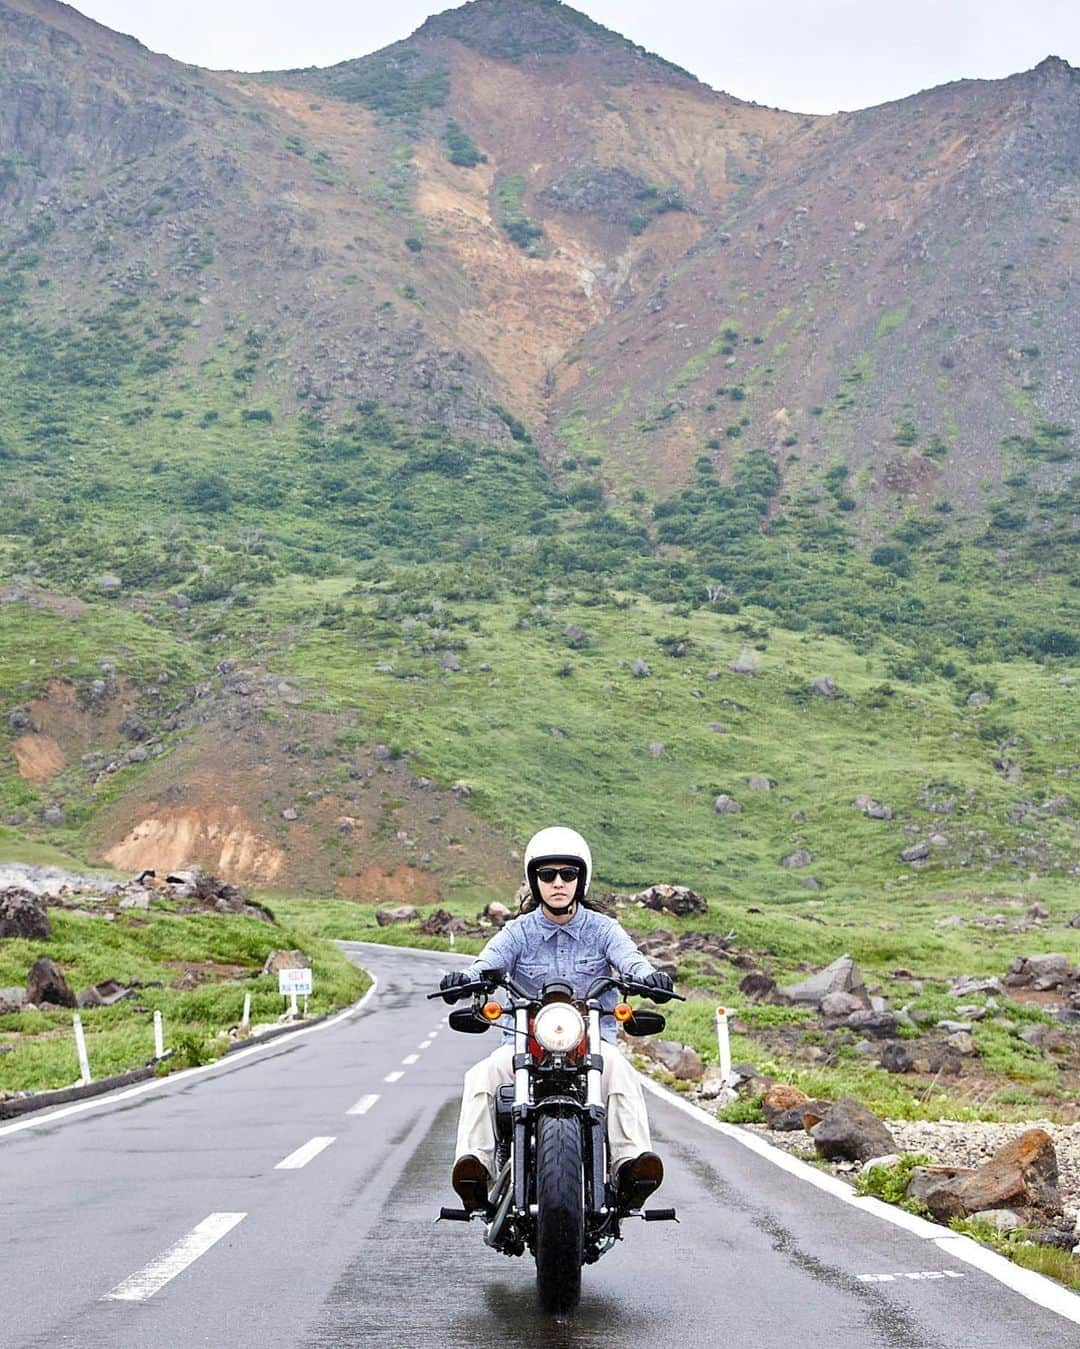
column 293, row 982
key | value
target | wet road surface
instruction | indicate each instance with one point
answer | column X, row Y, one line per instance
column 289, row 1200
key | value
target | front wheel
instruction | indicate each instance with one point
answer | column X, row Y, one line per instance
column 560, row 1212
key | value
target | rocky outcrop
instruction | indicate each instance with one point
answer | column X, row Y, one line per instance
column 1021, row 1176
column 45, row 984
column 842, row 976
column 23, row 914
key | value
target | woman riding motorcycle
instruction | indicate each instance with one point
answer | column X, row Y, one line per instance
column 559, row 937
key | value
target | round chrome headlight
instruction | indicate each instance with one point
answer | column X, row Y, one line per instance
column 559, row 1027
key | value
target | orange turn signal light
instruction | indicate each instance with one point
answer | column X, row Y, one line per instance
column 491, row 1010
column 623, row 1011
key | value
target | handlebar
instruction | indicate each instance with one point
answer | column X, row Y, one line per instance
column 490, row 979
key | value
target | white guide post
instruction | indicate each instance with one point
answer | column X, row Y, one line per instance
column 159, row 1037
column 292, row 1003
column 80, row 1049
column 245, row 1020
column 723, row 1043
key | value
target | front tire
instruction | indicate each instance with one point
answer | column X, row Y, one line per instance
column 560, row 1212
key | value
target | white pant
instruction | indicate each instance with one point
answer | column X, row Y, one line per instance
column 627, row 1122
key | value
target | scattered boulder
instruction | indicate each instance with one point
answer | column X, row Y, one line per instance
column 681, row 1061
column 757, row 782
column 1040, row 973
column 872, row 1022
column 824, row 687
column 799, row 858
column 19, row 719
column 12, row 1000
column 963, row 1042
column 726, row 805
column 291, row 814
column 850, row 1132
column 640, row 669
column 449, row 660
column 897, row 1058
column 440, row 923
column 576, row 637
column 23, row 914
column 842, row 976
column 1004, row 1219
column 746, row 663
column 46, row 984
column 757, row 985
column 968, row 985
column 674, row 899
column 872, row 809
column 840, row 1004
column 496, row 912
column 980, row 698
column 403, row 913
column 1021, row 1176
column 788, row 1109
column 915, row 853
column 461, row 790
column 53, row 816
column 780, row 1098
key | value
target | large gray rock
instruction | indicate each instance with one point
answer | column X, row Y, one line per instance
column 871, row 1022
column 842, row 976
column 12, row 1000
column 824, row 686
column 726, row 805
column 285, row 960
column 799, row 858
column 46, row 984
column 850, row 1132
column 23, row 914
column 840, row 1005
column 403, row 913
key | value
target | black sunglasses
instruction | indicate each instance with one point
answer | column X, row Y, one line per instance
column 548, row 874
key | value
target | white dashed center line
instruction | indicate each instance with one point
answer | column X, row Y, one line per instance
column 916, row 1274
column 424, row 1044
column 362, row 1106
column 295, row 1160
column 393, row 1077
column 146, row 1282
column 410, row 1058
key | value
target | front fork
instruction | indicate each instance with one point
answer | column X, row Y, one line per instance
column 594, row 1099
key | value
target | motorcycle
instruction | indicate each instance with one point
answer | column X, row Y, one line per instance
column 553, row 1193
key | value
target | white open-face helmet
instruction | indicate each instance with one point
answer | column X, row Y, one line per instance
column 558, row 844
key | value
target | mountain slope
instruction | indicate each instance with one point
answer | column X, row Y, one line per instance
column 334, row 379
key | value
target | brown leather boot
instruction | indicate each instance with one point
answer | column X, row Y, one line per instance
column 470, row 1180
column 636, row 1178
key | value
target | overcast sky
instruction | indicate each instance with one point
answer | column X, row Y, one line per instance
column 804, row 55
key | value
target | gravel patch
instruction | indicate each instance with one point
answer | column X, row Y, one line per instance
column 952, row 1143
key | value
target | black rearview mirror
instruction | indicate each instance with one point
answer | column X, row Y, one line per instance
column 466, row 1019
column 645, row 1022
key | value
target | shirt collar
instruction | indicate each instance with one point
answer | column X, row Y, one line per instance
column 573, row 928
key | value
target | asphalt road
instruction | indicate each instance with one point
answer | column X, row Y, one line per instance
column 166, row 1219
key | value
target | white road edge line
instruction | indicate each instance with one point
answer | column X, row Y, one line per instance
column 148, row 1280
column 311, row 1149
column 363, row 1105
column 410, row 1059
column 393, row 1077
column 1035, row 1287
column 47, row 1117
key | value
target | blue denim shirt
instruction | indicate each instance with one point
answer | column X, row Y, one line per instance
column 532, row 949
